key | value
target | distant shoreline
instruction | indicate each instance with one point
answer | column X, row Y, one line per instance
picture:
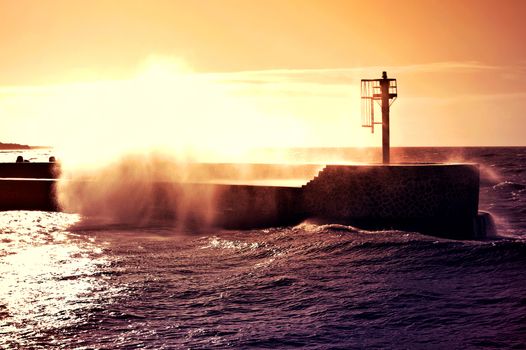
column 17, row 146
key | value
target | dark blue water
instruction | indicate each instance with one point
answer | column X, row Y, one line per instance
column 66, row 285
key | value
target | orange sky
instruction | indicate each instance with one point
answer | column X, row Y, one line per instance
column 460, row 65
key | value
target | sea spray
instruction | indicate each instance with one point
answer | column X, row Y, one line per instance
column 138, row 190
column 125, row 146
column 157, row 187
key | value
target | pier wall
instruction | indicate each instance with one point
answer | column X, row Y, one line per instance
column 240, row 206
column 437, row 199
column 41, row 170
column 27, row 194
column 441, row 199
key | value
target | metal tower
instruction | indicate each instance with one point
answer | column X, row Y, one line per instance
column 384, row 92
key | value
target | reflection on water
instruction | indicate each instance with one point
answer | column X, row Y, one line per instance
column 50, row 277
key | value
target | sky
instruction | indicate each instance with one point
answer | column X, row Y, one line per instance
column 230, row 74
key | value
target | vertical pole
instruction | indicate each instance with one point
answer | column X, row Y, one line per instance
column 372, row 115
column 384, row 87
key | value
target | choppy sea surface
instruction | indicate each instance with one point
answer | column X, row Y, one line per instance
column 67, row 285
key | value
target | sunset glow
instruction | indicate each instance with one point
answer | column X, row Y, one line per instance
column 223, row 77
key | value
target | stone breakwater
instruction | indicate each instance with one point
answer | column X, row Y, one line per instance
column 435, row 198
column 438, row 199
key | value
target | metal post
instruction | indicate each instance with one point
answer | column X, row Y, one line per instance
column 384, row 88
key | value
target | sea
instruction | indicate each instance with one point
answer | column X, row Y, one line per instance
column 308, row 286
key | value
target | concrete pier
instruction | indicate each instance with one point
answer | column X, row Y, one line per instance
column 27, row 194
column 41, row 170
column 436, row 199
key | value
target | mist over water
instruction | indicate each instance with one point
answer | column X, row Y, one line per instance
column 138, row 137
column 130, row 190
column 154, row 188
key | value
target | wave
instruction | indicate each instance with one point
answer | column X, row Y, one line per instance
column 509, row 186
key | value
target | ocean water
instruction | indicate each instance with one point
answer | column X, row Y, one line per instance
column 64, row 284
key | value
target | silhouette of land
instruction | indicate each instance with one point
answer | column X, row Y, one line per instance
column 15, row 146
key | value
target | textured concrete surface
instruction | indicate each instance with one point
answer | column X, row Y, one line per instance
column 439, row 199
